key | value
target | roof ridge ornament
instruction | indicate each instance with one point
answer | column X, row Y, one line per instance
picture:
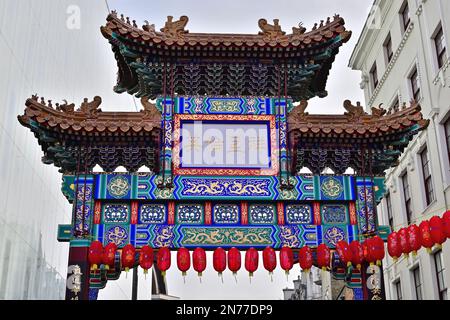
column 354, row 113
column 300, row 30
column 269, row 31
column 175, row 29
column 150, row 112
column 379, row 111
column 91, row 109
column 299, row 114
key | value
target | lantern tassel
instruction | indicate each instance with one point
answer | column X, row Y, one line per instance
column 287, row 275
column 429, row 250
column 235, row 278
column 271, row 276
column 200, row 276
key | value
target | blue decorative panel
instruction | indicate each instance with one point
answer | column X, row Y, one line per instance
column 214, row 236
column 331, row 188
column 364, row 205
column 144, row 234
column 262, row 214
column 116, row 213
column 225, row 105
column 226, row 213
column 152, row 213
column 289, row 236
column 299, row 214
column 84, row 204
column 189, row 213
column 118, row 187
column 304, row 187
column 334, row 213
column 118, row 234
column 225, row 188
column 334, row 234
column 164, row 236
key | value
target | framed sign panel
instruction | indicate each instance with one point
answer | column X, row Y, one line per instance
column 225, row 145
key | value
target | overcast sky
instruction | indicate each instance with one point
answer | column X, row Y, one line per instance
column 241, row 16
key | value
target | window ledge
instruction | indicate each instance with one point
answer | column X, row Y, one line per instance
column 440, row 77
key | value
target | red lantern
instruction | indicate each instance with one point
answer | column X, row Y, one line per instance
column 95, row 254
column 234, row 260
column 437, row 231
column 394, row 249
column 109, row 255
column 425, row 236
column 220, row 261
column 367, row 252
column 414, row 238
column 269, row 260
column 357, row 254
column 305, row 258
column 251, row 261
column 446, row 222
column 344, row 252
column 163, row 260
column 286, row 259
column 404, row 241
column 378, row 249
column 183, row 260
column 128, row 257
column 199, row 261
column 146, row 258
column 323, row 256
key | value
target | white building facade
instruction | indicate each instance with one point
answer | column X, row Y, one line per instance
column 54, row 49
column 403, row 55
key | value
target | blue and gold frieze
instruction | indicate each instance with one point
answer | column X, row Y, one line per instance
column 189, row 187
column 213, row 236
column 306, row 188
column 224, row 105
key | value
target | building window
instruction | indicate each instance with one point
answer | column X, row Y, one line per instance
column 447, row 136
column 398, row 290
column 374, row 76
column 395, row 107
column 440, row 275
column 389, row 211
column 415, row 85
column 426, row 170
column 406, row 18
column 417, row 283
column 439, row 42
column 407, row 198
column 388, row 48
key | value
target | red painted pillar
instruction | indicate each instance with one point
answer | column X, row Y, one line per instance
column 77, row 285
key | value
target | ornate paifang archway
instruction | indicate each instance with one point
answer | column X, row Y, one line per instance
column 219, row 83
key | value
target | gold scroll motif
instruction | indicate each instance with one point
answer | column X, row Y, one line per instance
column 239, row 189
column 224, row 106
column 211, row 188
